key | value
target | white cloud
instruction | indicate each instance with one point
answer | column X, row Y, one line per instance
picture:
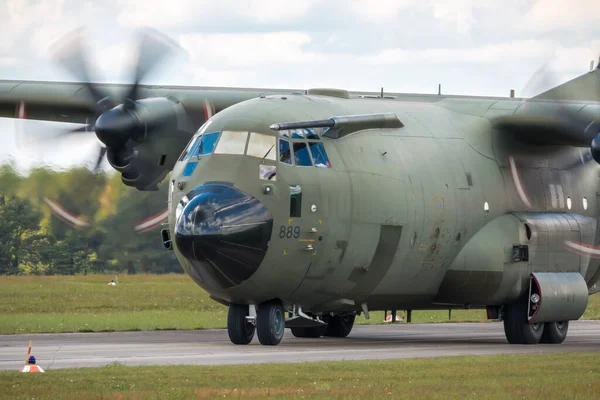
column 488, row 54
column 272, row 10
column 379, row 10
column 169, row 13
column 22, row 16
column 457, row 13
column 247, row 50
column 230, row 78
column 572, row 59
column 158, row 13
column 548, row 15
column 48, row 33
column 10, row 61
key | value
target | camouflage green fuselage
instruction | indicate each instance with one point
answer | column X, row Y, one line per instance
column 423, row 216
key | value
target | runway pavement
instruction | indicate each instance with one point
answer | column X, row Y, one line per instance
column 212, row 347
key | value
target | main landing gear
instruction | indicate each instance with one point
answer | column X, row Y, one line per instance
column 337, row 326
column 518, row 330
column 269, row 323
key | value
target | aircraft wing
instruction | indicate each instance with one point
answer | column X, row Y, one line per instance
column 72, row 101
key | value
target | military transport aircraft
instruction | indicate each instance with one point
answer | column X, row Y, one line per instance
column 304, row 208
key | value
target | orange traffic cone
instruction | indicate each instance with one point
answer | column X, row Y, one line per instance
column 30, row 365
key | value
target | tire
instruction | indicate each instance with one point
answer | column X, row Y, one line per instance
column 516, row 328
column 312, row 332
column 239, row 329
column 555, row 332
column 340, row 325
column 270, row 323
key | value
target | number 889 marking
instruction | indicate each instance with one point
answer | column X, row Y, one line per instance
column 289, row 232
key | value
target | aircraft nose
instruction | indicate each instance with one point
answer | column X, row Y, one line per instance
column 224, row 234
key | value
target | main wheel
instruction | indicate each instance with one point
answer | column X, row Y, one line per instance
column 555, row 332
column 516, row 328
column 340, row 325
column 312, row 332
column 240, row 330
column 270, row 323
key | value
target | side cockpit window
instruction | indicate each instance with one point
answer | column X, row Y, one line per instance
column 200, row 145
column 285, row 154
column 187, row 153
column 207, row 143
column 301, row 155
column 319, row 155
column 302, row 148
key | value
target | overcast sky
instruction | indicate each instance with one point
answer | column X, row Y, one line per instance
column 475, row 47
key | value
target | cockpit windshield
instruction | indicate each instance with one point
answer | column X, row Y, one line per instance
column 233, row 142
column 201, row 145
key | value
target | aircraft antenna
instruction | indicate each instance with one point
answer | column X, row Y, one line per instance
column 382, row 92
column 439, row 89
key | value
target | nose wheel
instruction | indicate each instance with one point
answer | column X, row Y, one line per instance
column 240, row 329
column 270, row 322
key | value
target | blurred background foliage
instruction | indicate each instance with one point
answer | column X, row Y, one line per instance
column 34, row 241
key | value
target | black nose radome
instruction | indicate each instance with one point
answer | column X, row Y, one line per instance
column 224, row 234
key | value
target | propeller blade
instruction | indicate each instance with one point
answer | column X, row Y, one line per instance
column 87, row 128
column 545, row 79
column 69, row 53
column 114, row 125
column 153, row 47
column 101, row 154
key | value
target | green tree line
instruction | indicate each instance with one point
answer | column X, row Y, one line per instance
column 33, row 240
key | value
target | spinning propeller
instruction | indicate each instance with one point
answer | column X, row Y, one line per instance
column 556, row 116
column 115, row 124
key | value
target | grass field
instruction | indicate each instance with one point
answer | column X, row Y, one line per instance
column 30, row 304
column 556, row 376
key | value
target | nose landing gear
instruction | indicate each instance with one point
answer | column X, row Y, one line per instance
column 240, row 323
column 270, row 322
column 266, row 319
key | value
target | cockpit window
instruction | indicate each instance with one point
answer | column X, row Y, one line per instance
column 306, row 153
column 232, row 142
column 262, row 146
column 301, row 155
column 187, row 153
column 319, row 155
column 206, row 144
column 285, row 155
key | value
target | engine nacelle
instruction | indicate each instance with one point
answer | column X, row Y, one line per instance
column 556, row 296
column 151, row 150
